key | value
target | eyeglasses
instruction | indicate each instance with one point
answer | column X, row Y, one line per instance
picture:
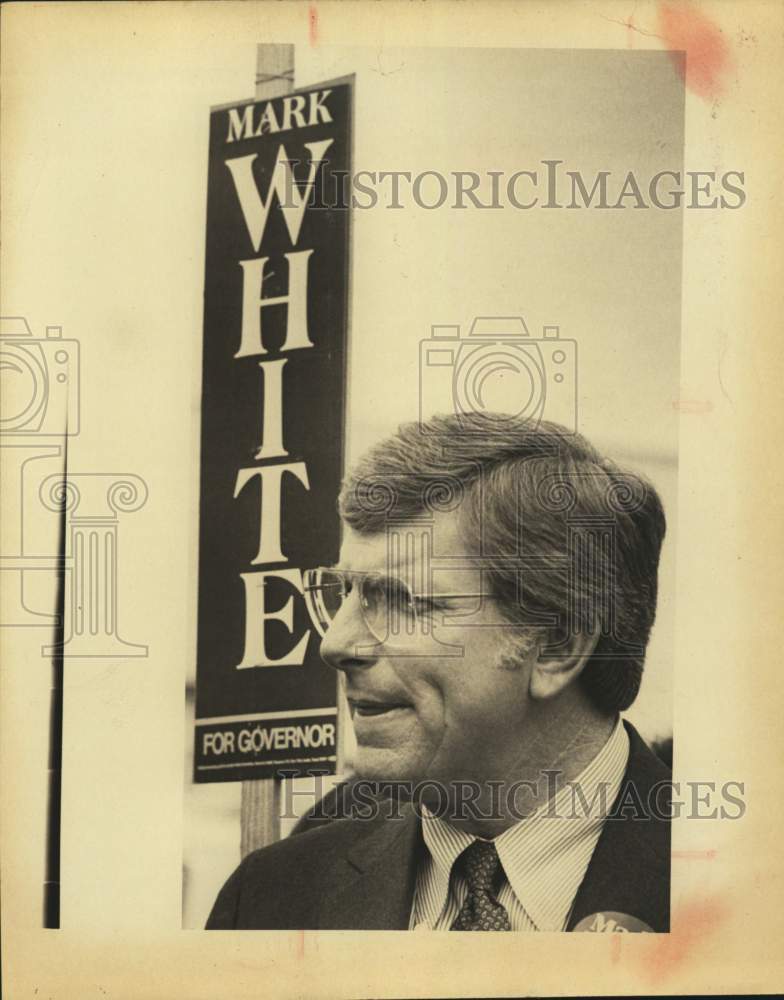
column 389, row 607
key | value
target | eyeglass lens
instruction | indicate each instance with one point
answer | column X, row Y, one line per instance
column 386, row 602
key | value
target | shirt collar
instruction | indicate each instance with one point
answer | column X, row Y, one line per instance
column 444, row 844
column 544, row 855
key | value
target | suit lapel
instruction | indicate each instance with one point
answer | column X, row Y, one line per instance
column 372, row 885
column 629, row 871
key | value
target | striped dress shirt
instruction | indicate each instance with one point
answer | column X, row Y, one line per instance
column 544, row 856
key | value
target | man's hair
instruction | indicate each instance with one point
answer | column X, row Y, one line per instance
column 568, row 537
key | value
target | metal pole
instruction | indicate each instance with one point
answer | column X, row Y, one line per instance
column 51, row 900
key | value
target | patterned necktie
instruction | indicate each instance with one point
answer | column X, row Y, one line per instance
column 481, row 911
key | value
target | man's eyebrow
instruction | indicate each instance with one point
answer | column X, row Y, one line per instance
column 382, row 572
column 337, row 568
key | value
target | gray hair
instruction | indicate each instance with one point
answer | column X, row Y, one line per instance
column 587, row 534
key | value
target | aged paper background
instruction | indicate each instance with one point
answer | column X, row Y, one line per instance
column 104, row 115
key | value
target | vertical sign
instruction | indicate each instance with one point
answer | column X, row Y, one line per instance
column 273, row 406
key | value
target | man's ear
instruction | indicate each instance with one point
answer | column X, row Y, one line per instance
column 555, row 668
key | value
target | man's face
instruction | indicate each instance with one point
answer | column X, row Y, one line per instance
column 417, row 711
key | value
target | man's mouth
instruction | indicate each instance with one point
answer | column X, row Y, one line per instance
column 368, row 707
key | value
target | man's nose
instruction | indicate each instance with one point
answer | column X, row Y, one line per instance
column 348, row 643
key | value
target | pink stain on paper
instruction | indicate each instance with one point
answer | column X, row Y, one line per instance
column 708, row 60
column 692, row 407
column 709, row 855
column 692, row 923
column 313, row 24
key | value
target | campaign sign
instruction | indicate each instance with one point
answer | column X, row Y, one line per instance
column 272, row 433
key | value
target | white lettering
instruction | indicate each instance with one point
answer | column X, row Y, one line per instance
column 218, row 743
column 318, row 113
column 291, row 199
column 293, row 108
column 271, row 487
column 310, row 736
column 268, row 122
column 256, row 615
column 272, row 414
column 240, row 126
column 297, row 336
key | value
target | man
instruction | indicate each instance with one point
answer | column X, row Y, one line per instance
column 489, row 616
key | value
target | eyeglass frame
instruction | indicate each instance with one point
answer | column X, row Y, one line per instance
column 345, row 575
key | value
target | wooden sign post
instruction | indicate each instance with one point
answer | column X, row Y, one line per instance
column 260, row 807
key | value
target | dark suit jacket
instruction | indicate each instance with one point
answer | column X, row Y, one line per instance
column 355, row 874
